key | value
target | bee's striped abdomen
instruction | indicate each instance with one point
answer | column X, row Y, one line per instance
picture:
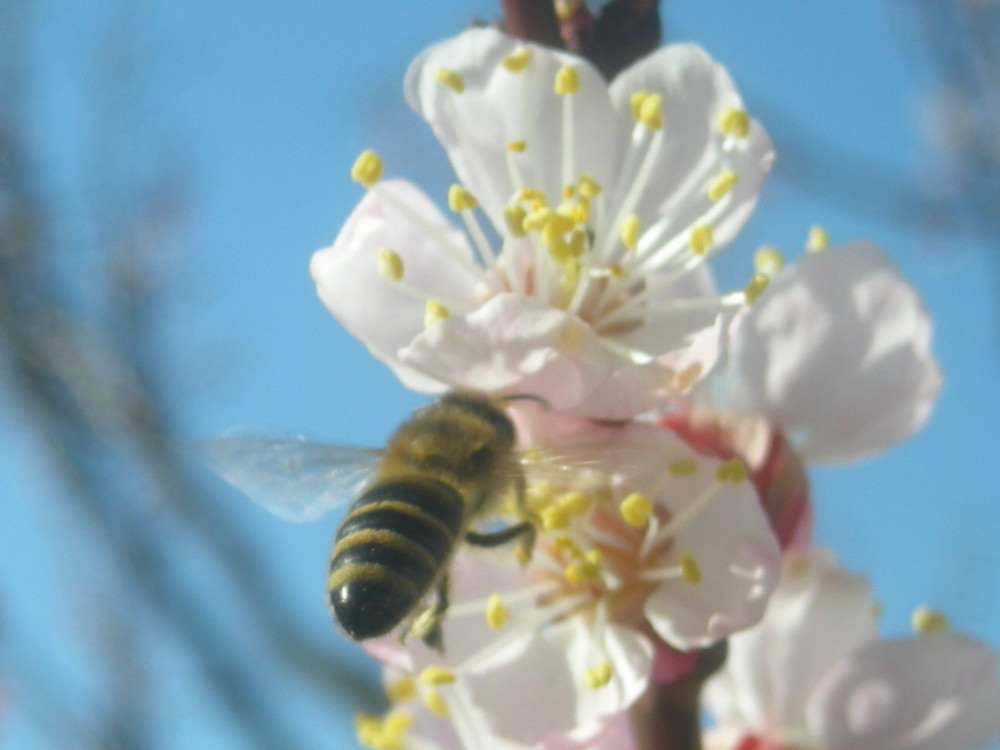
column 389, row 551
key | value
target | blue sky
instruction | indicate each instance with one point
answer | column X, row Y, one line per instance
column 262, row 111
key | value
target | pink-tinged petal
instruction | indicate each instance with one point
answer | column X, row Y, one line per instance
column 695, row 92
column 837, row 354
column 817, row 615
column 938, row 691
column 497, row 106
column 555, row 661
column 736, row 552
column 377, row 310
column 516, row 344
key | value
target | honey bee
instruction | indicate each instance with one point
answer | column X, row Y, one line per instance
column 445, row 468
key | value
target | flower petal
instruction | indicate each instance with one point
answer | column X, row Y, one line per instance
column 837, row 353
column 695, row 92
column 934, row 691
column 375, row 309
column 498, row 106
column 817, row 615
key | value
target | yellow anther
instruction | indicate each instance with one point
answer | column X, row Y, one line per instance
column 554, row 518
column 517, row 60
column 537, row 219
column 701, row 239
column 434, row 312
column 567, row 80
column 755, row 287
column 517, row 146
column 597, row 677
column 616, row 272
column 731, row 471
column 460, row 199
column 574, row 502
column 635, row 102
column 734, row 121
column 593, row 558
column 451, row 79
column 555, row 227
column 636, row 509
column 368, row 728
column 721, row 184
column 768, row 260
column 690, row 570
column 435, row 702
column 513, row 216
column 539, row 495
column 630, row 231
column 531, row 195
column 589, row 188
column 568, row 191
column 585, row 569
column 580, row 211
column 566, row 547
column 651, row 112
column 367, row 168
column 573, row 573
column 577, row 242
column 397, row 722
column 559, row 251
column 925, row 620
column 401, row 689
column 496, row 613
column 390, row 265
column 435, row 675
column 684, row 467
column 521, row 554
column 817, row 239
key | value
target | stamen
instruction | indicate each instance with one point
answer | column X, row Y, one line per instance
column 435, row 675
column 685, row 467
column 460, row 199
column 721, row 184
column 734, row 471
column 635, row 101
column 518, row 60
column 435, row 702
column 517, row 146
column 735, row 122
column 817, row 239
column 451, row 79
column 651, row 112
column 589, row 188
column 630, row 231
column 567, row 80
column 768, row 260
column 636, row 509
column 390, row 265
column 701, row 239
column 598, row 676
column 434, row 311
column 639, row 184
column 925, row 620
column 367, row 168
column 755, row 287
column 514, row 216
column 690, row 570
column 401, row 689
column 496, row 613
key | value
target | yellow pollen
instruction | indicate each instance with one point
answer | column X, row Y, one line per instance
column 567, row 80
column 496, row 613
column 925, row 620
column 597, row 677
column 755, row 287
column 537, row 219
column 580, row 211
column 731, row 471
column 630, row 231
column 368, row 728
column 636, row 509
column 401, row 689
column 635, row 102
column 451, row 79
column 566, row 547
column 397, row 722
column 554, row 518
column 574, row 502
column 555, row 227
column 817, row 240
column 584, row 570
column 721, row 184
column 690, row 570
column 434, row 312
column 685, row 467
column 390, row 265
column 518, row 60
column 531, row 194
column 539, row 495
column 435, row 702
column 521, row 554
column 568, row 191
column 517, row 146
column 616, row 272
column 367, row 168
column 577, row 242
column 513, row 216
column 651, row 112
column 460, row 199
column 701, row 239
column 559, row 251
column 589, row 188
column 768, row 260
column 734, row 121
column 434, row 675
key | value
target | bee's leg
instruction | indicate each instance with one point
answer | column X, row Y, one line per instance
column 427, row 625
column 524, row 530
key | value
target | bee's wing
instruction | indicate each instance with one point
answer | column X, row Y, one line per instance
column 294, row 478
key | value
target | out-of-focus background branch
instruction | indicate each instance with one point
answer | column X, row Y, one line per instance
column 168, row 587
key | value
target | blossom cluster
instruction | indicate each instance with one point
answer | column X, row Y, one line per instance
column 669, row 424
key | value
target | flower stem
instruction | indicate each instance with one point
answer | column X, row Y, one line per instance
column 666, row 717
